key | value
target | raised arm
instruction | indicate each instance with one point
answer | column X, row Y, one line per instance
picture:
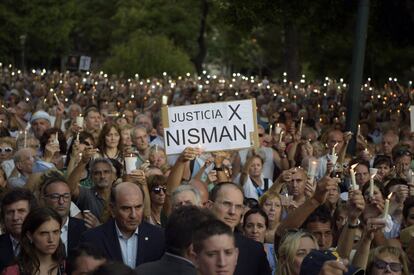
column 356, row 205
column 74, row 178
column 298, row 216
column 176, row 175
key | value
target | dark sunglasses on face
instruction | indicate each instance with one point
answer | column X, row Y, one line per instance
column 158, row 189
column 380, row 264
column 6, row 149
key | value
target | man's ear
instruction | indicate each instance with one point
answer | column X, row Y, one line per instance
column 191, row 254
column 209, row 204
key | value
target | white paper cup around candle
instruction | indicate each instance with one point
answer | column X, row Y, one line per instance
column 79, row 121
column 130, row 164
column 278, row 130
column 164, row 100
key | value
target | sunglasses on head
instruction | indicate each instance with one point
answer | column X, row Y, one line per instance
column 6, row 149
column 158, row 189
column 380, row 264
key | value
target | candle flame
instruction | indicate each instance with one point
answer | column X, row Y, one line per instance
column 354, row 165
column 390, row 195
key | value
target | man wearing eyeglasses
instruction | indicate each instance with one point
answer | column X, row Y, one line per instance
column 55, row 193
column 226, row 203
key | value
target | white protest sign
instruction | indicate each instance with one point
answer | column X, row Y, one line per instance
column 84, row 63
column 213, row 126
column 412, row 118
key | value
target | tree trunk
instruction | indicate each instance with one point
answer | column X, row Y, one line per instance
column 198, row 60
column 291, row 51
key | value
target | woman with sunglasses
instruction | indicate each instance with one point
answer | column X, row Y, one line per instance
column 41, row 249
column 255, row 224
column 157, row 186
column 387, row 260
column 7, row 147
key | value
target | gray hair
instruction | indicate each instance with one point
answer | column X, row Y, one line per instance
column 183, row 188
column 94, row 162
column 138, row 127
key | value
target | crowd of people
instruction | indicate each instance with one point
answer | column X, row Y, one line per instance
column 299, row 203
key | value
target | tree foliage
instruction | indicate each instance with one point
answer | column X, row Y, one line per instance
column 148, row 56
column 264, row 37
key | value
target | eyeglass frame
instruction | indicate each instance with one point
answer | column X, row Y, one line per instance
column 157, row 189
column 56, row 196
column 385, row 264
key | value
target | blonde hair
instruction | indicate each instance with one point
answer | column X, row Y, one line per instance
column 392, row 250
column 268, row 195
column 287, row 251
column 245, row 170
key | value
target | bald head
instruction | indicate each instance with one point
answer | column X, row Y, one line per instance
column 127, row 207
column 124, row 188
column 389, row 140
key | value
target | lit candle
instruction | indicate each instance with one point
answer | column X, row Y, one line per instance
column 57, row 99
column 333, row 149
column 270, row 129
column 371, row 186
column 353, row 179
column 57, row 138
column 312, row 170
column 79, row 121
column 301, row 124
column 77, row 137
column 156, row 148
column 281, row 137
column 387, row 205
column 359, row 130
